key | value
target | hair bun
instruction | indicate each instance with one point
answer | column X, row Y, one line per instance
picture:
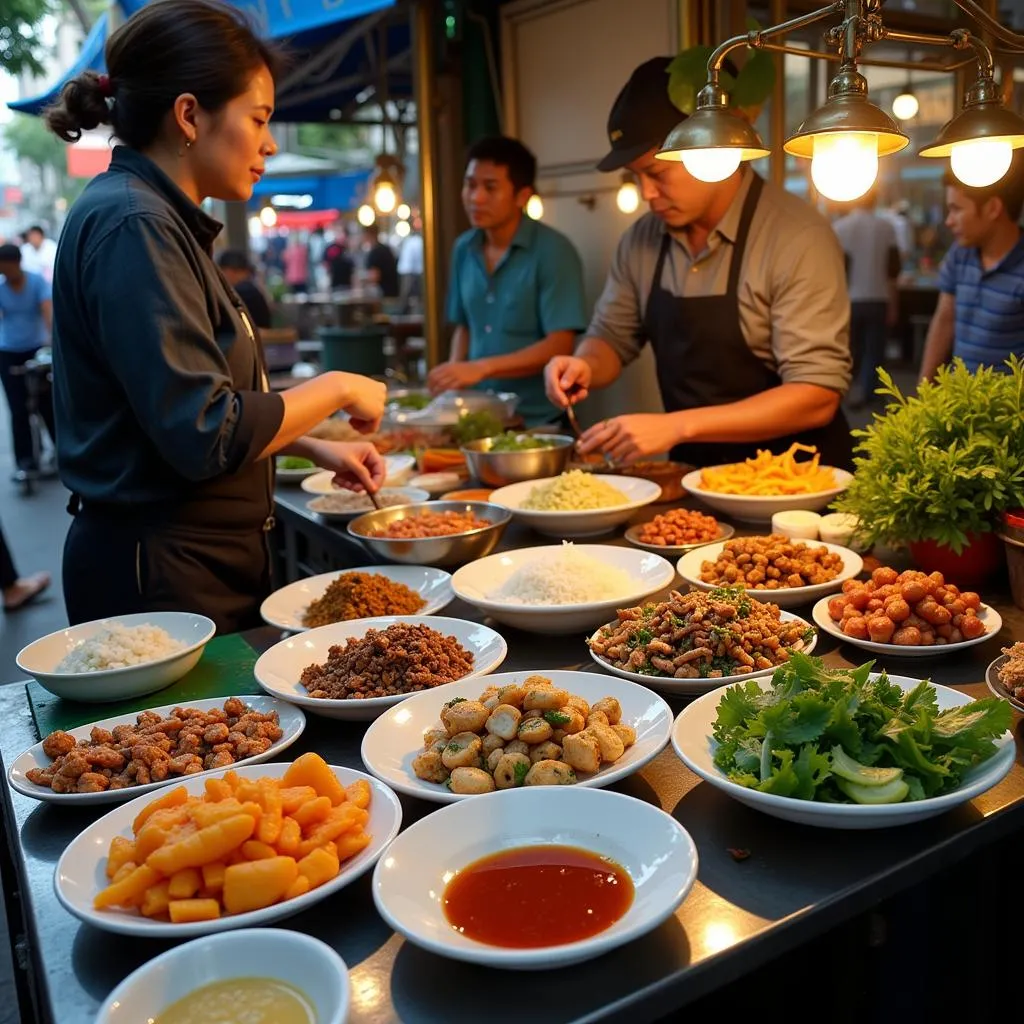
column 82, row 106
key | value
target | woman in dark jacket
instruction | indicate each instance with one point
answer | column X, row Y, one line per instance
column 166, row 429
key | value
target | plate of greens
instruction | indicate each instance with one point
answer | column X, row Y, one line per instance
column 846, row 748
column 291, row 469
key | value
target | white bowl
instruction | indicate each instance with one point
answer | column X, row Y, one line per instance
column 391, row 743
column 786, row 597
column 693, row 742
column 409, row 495
column 988, row 615
column 689, row 687
column 285, row 607
column 399, row 469
column 656, row 851
column 477, row 582
column 41, row 658
column 294, row 476
column 306, row 963
column 80, row 872
column 278, row 670
column 291, row 719
column 580, row 524
column 759, row 508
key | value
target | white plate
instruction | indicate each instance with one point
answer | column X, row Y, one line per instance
column 788, row 597
column 399, row 469
column 693, row 742
column 408, row 495
column 392, row 743
column 649, row 844
column 996, row 685
column 306, row 963
column 41, row 658
column 81, row 874
column 477, row 581
column 278, row 670
column 285, row 607
column 989, row 616
column 573, row 525
column 760, row 508
column 295, row 476
column 725, row 531
column 695, row 686
column 291, row 719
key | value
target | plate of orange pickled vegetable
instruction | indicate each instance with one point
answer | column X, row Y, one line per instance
column 234, row 850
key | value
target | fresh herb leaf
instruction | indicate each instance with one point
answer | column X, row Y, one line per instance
column 453, row 702
column 519, row 772
column 557, row 718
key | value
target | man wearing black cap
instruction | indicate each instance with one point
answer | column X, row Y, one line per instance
column 740, row 289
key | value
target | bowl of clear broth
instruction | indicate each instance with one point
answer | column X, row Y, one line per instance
column 535, row 878
column 255, row 975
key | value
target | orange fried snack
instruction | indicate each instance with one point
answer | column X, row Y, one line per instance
column 242, row 845
column 769, row 474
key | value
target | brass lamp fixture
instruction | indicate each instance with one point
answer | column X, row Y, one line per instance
column 845, row 137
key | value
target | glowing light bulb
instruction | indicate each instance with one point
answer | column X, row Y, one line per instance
column 268, row 216
column 402, row 229
column 981, row 162
column 628, row 197
column 384, row 197
column 255, row 226
column 844, row 165
column 905, row 106
column 404, row 212
column 535, row 207
column 711, row 164
column 365, row 215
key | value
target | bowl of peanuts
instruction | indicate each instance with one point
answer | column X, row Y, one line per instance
column 677, row 531
column 437, row 533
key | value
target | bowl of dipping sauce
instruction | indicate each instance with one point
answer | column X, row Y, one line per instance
column 839, row 528
column 535, row 878
column 279, row 976
column 797, row 524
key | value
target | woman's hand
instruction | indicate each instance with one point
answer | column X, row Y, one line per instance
column 364, row 401
column 357, row 465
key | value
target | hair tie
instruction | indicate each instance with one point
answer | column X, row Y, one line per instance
column 105, row 87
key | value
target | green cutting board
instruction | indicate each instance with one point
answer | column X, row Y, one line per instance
column 224, row 670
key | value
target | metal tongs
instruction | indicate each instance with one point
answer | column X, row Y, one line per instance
column 575, row 424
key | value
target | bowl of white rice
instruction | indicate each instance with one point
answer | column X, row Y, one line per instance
column 118, row 658
column 576, row 505
column 561, row 590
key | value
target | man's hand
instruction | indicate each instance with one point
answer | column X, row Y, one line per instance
column 567, row 380
column 625, row 439
column 455, row 376
column 357, row 465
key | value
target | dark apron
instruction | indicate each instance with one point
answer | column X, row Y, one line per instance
column 703, row 359
column 207, row 553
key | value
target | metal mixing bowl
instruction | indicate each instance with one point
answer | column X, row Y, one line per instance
column 437, row 551
column 496, row 469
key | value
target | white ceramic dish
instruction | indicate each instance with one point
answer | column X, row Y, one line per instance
column 399, row 469
column 789, row 597
column 725, row 531
column 690, row 687
column 477, row 582
column 306, row 963
column 40, row 659
column 761, row 508
column 80, row 870
column 278, row 670
column 392, row 743
column 581, row 524
column 285, row 607
column 989, row 616
column 295, row 476
column 291, row 719
column 655, row 850
column 996, row 685
column 692, row 741
column 406, row 496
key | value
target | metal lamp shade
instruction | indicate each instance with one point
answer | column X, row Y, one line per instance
column 990, row 120
column 713, row 129
column 847, row 113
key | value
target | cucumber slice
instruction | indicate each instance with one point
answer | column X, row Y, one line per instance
column 891, row 793
column 861, row 774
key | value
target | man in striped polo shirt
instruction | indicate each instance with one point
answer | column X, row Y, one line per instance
column 980, row 315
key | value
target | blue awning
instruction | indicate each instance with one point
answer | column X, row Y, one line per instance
column 345, row 191
column 335, row 43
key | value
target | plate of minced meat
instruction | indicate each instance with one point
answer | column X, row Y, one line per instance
column 1005, row 676
column 356, row 670
column 362, row 593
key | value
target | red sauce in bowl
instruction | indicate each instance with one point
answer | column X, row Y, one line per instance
column 534, row 896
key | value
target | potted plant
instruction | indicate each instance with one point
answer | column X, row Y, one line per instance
column 935, row 471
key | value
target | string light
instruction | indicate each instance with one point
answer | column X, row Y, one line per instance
column 535, row 207
column 365, row 215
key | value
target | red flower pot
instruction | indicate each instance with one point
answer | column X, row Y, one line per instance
column 981, row 559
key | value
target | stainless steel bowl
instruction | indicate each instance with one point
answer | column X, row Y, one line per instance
column 496, row 469
column 437, row 551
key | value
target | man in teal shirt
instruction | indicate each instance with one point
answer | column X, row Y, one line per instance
column 516, row 293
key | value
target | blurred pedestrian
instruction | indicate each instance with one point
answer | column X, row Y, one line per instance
column 239, row 272
column 39, row 253
column 296, row 264
column 381, row 265
column 18, row 590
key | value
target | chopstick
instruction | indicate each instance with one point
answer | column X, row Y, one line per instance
column 575, row 424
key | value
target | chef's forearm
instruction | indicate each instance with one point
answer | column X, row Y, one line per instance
column 460, row 345
column 782, row 410
column 308, row 404
column 531, row 360
column 605, row 364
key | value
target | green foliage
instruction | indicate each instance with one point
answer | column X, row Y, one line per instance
column 20, row 47
column 31, row 140
column 944, row 463
column 748, row 90
column 338, row 137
